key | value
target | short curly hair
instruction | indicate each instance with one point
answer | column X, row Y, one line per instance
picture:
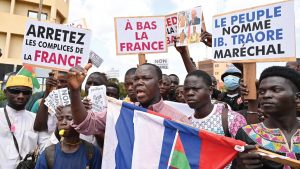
column 284, row 72
column 156, row 68
column 201, row 74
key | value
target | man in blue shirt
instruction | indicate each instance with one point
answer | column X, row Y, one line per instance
column 71, row 152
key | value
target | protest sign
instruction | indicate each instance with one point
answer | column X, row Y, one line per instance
column 56, row 98
column 97, row 95
column 171, row 25
column 161, row 63
column 55, row 46
column 113, row 73
column 189, row 26
column 79, row 23
column 265, row 33
column 136, row 35
column 95, row 59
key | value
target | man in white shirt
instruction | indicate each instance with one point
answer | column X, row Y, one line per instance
column 18, row 91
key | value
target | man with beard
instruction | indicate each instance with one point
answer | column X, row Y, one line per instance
column 146, row 86
column 16, row 123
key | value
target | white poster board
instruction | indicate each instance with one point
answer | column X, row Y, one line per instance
column 97, row 95
column 265, row 33
column 140, row 35
column 95, row 59
column 55, row 46
column 171, row 28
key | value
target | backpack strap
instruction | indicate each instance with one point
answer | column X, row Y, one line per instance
column 225, row 122
column 89, row 147
column 49, row 154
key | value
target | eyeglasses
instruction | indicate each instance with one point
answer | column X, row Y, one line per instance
column 18, row 91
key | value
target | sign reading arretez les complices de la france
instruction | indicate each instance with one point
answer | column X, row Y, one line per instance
column 55, row 46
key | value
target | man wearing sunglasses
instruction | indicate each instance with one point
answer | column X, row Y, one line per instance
column 16, row 123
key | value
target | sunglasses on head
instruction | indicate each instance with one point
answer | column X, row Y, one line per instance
column 18, row 91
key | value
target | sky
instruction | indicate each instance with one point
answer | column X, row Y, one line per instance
column 99, row 16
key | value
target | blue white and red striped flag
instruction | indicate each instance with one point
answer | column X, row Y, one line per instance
column 136, row 138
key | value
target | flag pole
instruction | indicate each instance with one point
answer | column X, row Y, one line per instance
column 40, row 10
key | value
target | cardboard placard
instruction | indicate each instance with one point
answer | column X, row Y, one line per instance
column 265, row 33
column 97, row 95
column 95, row 59
column 171, row 28
column 59, row 97
column 55, row 46
column 189, row 26
column 136, row 35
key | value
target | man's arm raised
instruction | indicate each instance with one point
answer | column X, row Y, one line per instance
column 206, row 38
column 76, row 77
column 185, row 55
column 41, row 119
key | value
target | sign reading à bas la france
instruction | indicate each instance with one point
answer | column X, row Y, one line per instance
column 136, row 35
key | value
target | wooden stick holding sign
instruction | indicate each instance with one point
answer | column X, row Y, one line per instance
column 142, row 58
column 249, row 76
column 278, row 158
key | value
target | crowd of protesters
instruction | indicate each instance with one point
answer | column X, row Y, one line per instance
column 26, row 124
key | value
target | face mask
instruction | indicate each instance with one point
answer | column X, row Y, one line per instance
column 231, row 82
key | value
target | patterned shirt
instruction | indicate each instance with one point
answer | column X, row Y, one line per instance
column 213, row 122
column 272, row 140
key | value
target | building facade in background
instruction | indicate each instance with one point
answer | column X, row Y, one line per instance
column 14, row 14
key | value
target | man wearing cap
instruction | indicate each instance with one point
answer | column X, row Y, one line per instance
column 231, row 78
column 16, row 123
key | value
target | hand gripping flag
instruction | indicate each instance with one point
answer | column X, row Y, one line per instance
column 136, row 138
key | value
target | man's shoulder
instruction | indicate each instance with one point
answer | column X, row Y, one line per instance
column 171, row 109
column 30, row 114
column 175, row 114
column 233, row 116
